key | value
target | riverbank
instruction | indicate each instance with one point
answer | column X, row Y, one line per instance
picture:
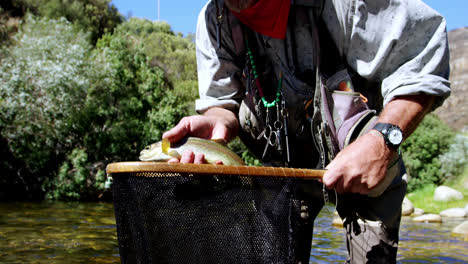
column 441, row 204
column 424, row 198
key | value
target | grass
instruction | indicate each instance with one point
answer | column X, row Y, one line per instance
column 423, row 198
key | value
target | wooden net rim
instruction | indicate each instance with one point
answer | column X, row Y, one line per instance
column 211, row 169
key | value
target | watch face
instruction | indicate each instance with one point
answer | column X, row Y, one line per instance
column 395, row 136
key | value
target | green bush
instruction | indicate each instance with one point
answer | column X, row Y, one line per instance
column 77, row 179
column 167, row 50
column 70, row 182
column 422, row 149
column 67, row 110
column 455, row 160
column 3, row 27
column 41, row 78
column 240, row 149
column 95, row 16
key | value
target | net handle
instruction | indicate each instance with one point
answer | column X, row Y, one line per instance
column 164, row 167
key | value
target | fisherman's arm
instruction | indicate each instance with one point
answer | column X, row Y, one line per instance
column 410, row 58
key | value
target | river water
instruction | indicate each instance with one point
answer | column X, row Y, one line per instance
column 66, row 233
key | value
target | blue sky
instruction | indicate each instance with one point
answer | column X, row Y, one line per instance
column 182, row 15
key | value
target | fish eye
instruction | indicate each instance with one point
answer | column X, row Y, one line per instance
column 147, row 147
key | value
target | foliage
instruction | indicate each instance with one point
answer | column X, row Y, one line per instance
column 72, row 177
column 15, row 7
column 123, row 91
column 6, row 28
column 240, row 149
column 144, row 27
column 424, row 197
column 422, row 149
column 67, row 109
column 455, row 160
column 96, row 16
column 171, row 52
column 77, row 179
column 41, row 78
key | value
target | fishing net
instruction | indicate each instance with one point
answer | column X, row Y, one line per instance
column 187, row 213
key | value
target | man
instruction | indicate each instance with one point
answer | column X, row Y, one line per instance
column 257, row 64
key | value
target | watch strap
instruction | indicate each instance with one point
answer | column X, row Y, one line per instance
column 384, row 130
column 382, row 127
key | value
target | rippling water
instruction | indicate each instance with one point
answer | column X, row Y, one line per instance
column 58, row 233
column 419, row 243
column 85, row 233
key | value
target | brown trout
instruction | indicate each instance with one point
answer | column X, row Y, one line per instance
column 213, row 151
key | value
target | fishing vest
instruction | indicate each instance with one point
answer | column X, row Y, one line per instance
column 321, row 118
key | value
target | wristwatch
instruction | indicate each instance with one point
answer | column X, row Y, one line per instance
column 392, row 134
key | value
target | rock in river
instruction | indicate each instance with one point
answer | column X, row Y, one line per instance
column 417, row 212
column 454, row 212
column 444, row 193
column 407, row 207
column 461, row 229
column 428, row 218
column 337, row 221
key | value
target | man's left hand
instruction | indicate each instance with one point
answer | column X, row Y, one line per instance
column 359, row 167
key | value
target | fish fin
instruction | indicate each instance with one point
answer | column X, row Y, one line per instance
column 166, row 149
column 174, row 154
column 220, row 141
column 165, row 146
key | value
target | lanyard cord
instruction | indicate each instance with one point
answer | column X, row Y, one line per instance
column 219, row 20
column 266, row 104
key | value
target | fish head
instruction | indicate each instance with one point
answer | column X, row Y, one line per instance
column 156, row 152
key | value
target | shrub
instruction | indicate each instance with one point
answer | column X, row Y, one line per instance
column 67, row 110
column 95, row 16
column 455, row 160
column 240, row 149
column 71, row 180
column 422, row 149
column 41, row 78
column 167, row 50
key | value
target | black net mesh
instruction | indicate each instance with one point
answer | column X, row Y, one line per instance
column 187, row 218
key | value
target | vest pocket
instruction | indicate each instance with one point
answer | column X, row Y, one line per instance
column 351, row 116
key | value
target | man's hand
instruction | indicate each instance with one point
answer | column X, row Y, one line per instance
column 215, row 123
column 190, row 157
column 359, row 167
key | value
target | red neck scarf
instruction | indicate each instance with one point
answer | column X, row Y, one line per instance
column 267, row 17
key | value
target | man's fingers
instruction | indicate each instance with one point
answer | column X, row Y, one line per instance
column 219, row 133
column 190, row 157
column 173, row 160
column 330, row 165
column 358, row 187
column 179, row 131
column 339, row 186
column 187, row 157
column 330, row 178
column 199, row 158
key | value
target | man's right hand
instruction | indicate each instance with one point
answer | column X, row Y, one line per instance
column 215, row 123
